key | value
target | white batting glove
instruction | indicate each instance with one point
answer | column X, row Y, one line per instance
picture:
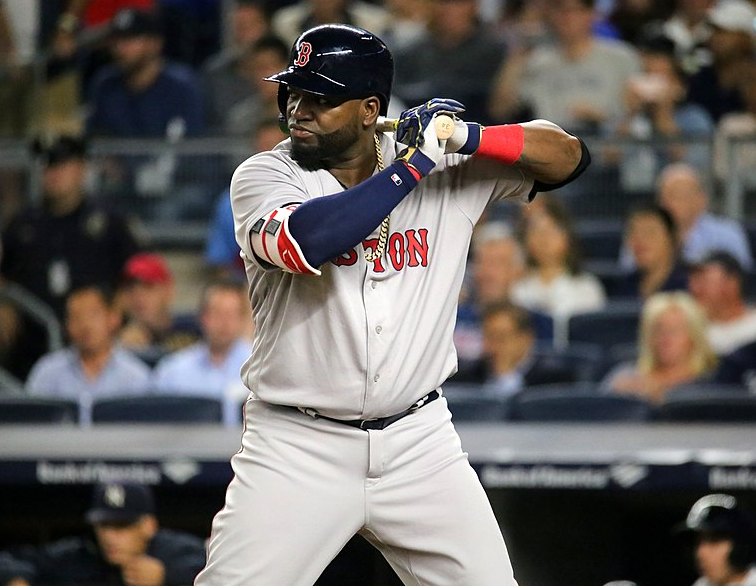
column 465, row 139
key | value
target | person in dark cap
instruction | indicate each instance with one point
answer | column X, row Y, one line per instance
column 724, row 541
column 128, row 548
column 141, row 94
column 716, row 282
column 48, row 248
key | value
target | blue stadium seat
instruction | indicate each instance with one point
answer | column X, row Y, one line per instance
column 581, row 362
column 158, row 409
column 26, row 410
column 600, row 239
column 471, row 403
column 711, row 402
column 617, row 323
column 578, row 406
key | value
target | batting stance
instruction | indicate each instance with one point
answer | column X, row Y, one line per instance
column 355, row 247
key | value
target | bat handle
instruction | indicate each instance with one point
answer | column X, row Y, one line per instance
column 443, row 122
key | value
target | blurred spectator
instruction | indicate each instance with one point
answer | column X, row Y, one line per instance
column 497, row 262
column 681, row 192
column 739, row 368
column 211, row 367
column 148, row 293
column 672, row 349
column 228, row 78
column 192, row 29
column 74, row 36
column 733, row 46
column 142, row 94
column 656, row 109
column 93, row 366
column 288, row 22
column 689, row 30
column 555, row 283
column 455, row 56
column 267, row 56
column 17, row 54
column 48, row 249
column 722, row 535
column 522, row 25
column 716, row 283
column 22, row 333
column 510, row 362
column 128, row 547
column 651, row 238
column 630, row 17
column 408, row 20
column 740, row 162
column 577, row 83
column 221, row 248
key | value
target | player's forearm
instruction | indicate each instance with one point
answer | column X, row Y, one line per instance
column 549, row 155
column 326, row 227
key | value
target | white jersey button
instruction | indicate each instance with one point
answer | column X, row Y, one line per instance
column 376, row 377
column 378, row 329
column 373, row 285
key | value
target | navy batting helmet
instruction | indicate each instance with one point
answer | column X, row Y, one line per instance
column 719, row 516
column 337, row 60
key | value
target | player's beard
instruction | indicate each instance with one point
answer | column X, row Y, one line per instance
column 329, row 147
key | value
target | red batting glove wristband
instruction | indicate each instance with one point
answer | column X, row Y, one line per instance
column 502, row 143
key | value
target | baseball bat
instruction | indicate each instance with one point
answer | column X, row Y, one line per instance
column 443, row 122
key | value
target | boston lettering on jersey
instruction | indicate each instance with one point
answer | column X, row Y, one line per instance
column 403, row 249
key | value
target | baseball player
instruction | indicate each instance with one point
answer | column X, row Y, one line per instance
column 355, row 247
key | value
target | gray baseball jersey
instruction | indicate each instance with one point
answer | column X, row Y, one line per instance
column 364, row 339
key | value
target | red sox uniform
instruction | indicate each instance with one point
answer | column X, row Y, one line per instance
column 361, row 340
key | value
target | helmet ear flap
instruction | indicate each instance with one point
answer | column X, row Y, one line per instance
column 283, row 98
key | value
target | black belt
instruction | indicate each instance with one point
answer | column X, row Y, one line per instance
column 380, row 422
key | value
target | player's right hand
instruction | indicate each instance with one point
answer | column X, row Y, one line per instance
column 426, row 155
column 466, row 137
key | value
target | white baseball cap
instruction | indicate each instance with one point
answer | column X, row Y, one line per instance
column 734, row 15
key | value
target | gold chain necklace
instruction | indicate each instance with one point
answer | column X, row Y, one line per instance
column 383, row 233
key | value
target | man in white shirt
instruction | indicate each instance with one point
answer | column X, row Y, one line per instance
column 211, row 367
column 681, row 192
column 716, row 282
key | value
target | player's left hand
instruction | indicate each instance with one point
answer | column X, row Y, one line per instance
column 414, row 122
column 424, row 157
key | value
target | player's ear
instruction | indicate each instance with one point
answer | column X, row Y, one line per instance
column 370, row 108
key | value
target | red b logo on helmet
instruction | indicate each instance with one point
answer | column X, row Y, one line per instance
column 303, row 57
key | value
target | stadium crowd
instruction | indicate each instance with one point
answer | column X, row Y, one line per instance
column 637, row 280
column 669, row 79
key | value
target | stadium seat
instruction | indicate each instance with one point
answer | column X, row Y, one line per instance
column 158, row 409
column 26, row 410
column 578, row 406
column 600, row 239
column 617, row 323
column 577, row 362
column 471, row 403
column 709, row 402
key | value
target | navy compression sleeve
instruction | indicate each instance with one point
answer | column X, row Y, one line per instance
column 328, row 226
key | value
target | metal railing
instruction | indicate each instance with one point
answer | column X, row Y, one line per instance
column 172, row 187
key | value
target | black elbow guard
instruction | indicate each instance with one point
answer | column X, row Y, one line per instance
column 585, row 160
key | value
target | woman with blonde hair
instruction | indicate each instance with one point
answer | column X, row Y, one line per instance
column 672, row 349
